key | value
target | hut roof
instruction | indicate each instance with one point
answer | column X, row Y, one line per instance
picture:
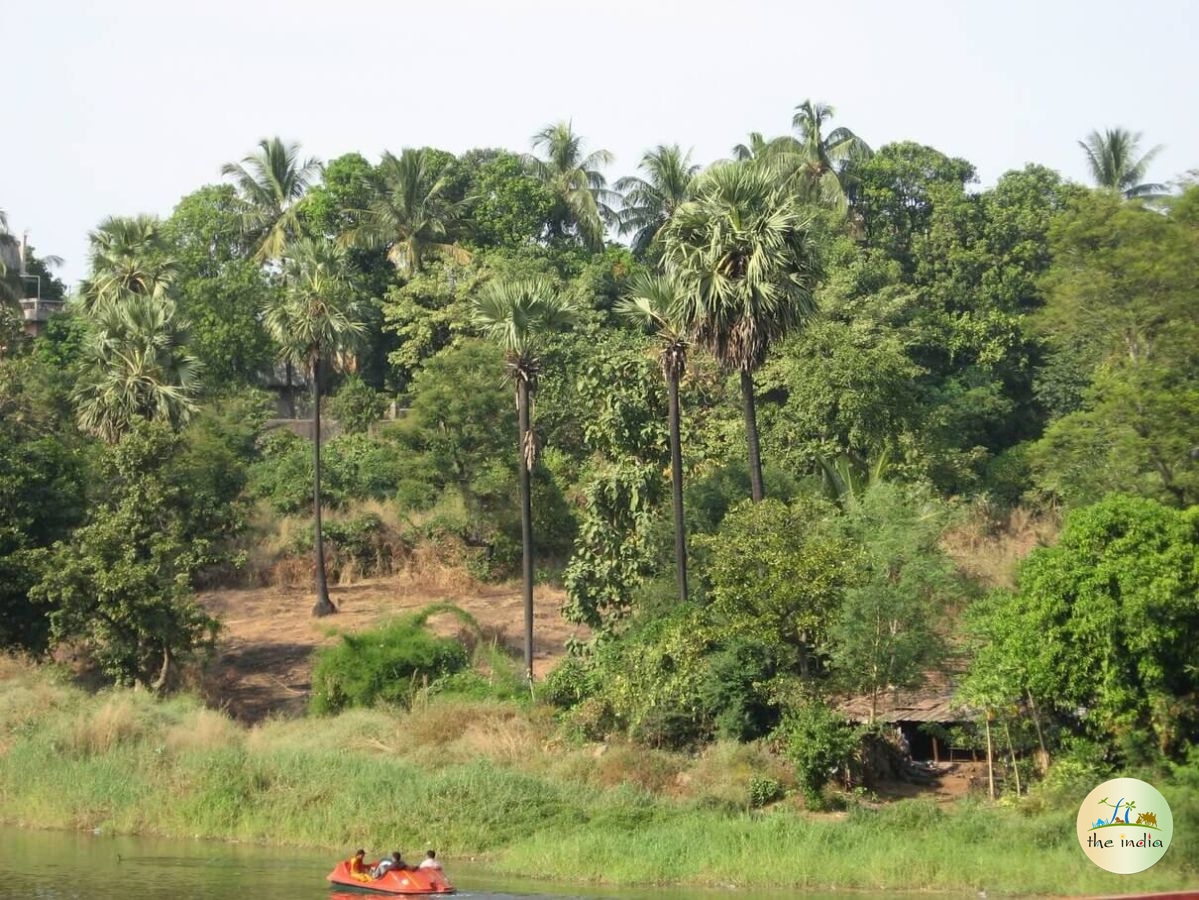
column 932, row 702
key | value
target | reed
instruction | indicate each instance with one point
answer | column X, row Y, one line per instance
column 497, row 781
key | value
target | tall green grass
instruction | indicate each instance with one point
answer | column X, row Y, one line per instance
column 496, row 781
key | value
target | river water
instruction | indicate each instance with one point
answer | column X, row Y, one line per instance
column 56, row 865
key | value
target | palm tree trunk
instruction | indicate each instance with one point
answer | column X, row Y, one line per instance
column 526, row 515
column 324, row 606
column 676, row 477
column 289, row 376
column 751, row 436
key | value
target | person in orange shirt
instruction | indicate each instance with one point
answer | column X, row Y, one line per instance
column 357, row 866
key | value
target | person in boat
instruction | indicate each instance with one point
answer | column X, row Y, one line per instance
column 395, row 861
column 357, row 866
column 430, row 861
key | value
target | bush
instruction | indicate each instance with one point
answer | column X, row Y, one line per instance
column 763, row 791
column 818, row 742
column 356, row 406
column 382, row 666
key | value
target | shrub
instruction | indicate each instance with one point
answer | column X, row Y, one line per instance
column 356, row 406
column 818, row 742
column 382, row 666
column 764, row 790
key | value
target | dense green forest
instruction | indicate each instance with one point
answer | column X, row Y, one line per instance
column 737, row 411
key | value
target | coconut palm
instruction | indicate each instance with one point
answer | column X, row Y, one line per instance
column 575, row 180
column 743, row 255
column 314, row 320
column 518, row 314
column 659, row 302
column 129, row 256
column 409, row 213
column 649, row 202
column 135, row 366
column 823, row 159
column 271, row 183
column 1116, row 162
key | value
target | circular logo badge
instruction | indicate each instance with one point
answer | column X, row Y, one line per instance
column 1125, row 826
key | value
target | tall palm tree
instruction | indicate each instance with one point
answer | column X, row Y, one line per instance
column 313, row 321
column 409, row 213
column 575, row 179
column 518, row 314
column 135, row 366
column 1116, row 162
column 744, row 256
column 271, row 182
column 660, row 302
column 129, row 256
column 649, row 202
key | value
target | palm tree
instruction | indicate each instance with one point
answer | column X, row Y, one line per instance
column 313, row 321
column 518, row 314
column 129, row 257
column 409, row 214
column 659, row 301
column 649, row 202
column 744, row 257
column 824, row 159
column 271, row 183
column 757, row 148
column 574, row 178
column 135, row 366
column 1114, row 163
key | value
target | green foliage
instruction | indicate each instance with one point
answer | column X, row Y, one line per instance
column 356, row 406
column 384, row 665
column 818, row 743
column 777, row 576
column 122, row 584
column 621, row 401
column 763, row 791
column 885, row 633
column 1102, row 630
column 43, row 473
column 1120, row 312
column 220, row 290
column 508, row 206
column 353, row 467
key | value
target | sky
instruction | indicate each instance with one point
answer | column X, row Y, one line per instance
column 118, row 107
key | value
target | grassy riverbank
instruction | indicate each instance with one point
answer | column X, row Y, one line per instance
column 498, row 782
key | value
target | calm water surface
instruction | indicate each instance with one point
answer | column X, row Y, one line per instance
column 53, row 865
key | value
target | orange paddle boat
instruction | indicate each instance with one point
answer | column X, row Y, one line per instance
column 411, row 882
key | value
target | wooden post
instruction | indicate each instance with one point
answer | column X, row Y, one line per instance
column 990, row 764
column 936, row 757
column 1012, row 750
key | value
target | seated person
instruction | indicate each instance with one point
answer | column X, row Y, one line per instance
column 357, row 866
column 430, row 861
column 395, row 861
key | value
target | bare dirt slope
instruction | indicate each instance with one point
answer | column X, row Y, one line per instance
column 264, row 657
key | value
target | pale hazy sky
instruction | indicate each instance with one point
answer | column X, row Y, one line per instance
column 124, row 106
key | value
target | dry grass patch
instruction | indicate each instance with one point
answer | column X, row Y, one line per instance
column 118, row 721
column 988, row 545
column 204, row 729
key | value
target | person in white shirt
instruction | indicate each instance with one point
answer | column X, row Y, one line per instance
column 430, row 861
